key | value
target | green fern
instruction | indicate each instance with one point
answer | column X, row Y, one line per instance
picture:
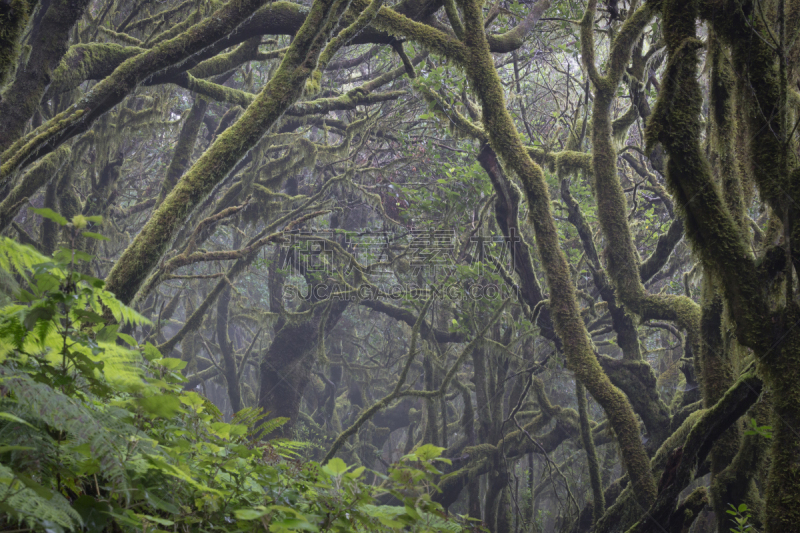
column 27, row 501
column 20, row 259
column 102, row 428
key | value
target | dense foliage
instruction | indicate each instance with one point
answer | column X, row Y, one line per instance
column 96, row 430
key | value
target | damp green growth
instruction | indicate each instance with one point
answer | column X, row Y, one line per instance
column 123, row 37
column 675, row 123
column 140, row 257
column 506, row 141
column 455, row 18
column 763, row 98
column 514, row 38
column 36, row 177
column 50, row 34
column 437, row 41
column 89, row 61
column 125, row 77
column 612, row 209
column 723, row 130
column 781, row 509
column 13, row 18
column 222, row 63
column 366, row 13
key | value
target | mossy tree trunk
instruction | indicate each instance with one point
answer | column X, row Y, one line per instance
column 505, row 140
column 48, row 44
column 286, row 365
column 280, row 92
column 14, row 16
column 763, row 325
column 184, row 148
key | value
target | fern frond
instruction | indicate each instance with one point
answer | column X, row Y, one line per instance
column 268, row 426
column 122, row 313
column 249, row 416
column 19, row 258
column 30, row 506
column 103, row 428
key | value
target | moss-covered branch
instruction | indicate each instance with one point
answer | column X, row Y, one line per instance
column 31, row 182
column 13, row 18
column 113, row 89
column 685, row 459
column 87, row 62
column 437, row 41
column 280, row 92
column 580, row 357
column 48, row 41
column 182, row 155
column 513, row 39
column 612, row 210
column 709, row 225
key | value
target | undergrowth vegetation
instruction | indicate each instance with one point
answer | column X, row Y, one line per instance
column 98, row 434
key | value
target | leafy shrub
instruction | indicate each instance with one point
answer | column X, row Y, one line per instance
column 96, row 433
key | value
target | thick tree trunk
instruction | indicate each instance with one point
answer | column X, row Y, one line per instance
column 48, row 42
column 286, row 365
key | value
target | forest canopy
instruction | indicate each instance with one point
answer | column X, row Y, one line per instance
column 414, row 265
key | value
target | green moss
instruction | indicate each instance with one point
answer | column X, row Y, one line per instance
column 515, row 37
column 36, row 177
column 221, row 63
column 635, row 377
column 622, row 258
column 710, row 227
column 437, row 41
column 48, row 43
column 782, row 509
column 366, row 12
column 724, row 131
column 114, row 88
column 566, row 163
column 90, row 61
column 762, row 100
column 566, row 316
column 451, row 10
column 13, row 18
column 124, row 37
column 141, row 256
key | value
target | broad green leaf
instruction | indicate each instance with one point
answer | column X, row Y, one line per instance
column 250, row 514
column 193, row 400
column 170, row 363
column 157, row 520
column 428, row 452
column 48, row 213
column 151, row 353
column 336, row 467
column 158, row 503
column 164, row 405
column 14, row 418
